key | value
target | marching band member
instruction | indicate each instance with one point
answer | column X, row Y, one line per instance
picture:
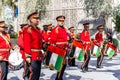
column 59, row 37
column 109, row 37
column 72, row 37
column 85, row 38
column 21, row 45
column 99, row 39
column 49, row 26
column 20, row 39
column 32, row 39
column 45, row 35
column 4, row 51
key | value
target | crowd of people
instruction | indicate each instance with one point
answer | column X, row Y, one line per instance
column 33, row 43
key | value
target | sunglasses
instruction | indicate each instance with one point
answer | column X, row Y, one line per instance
column 61, row 20
column 35, row 17
column 2, row 26
column 87, row 26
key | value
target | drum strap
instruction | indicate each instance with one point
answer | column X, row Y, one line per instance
column 61, row 42
column 36, row 50
column 5, row 39
column 4, row 49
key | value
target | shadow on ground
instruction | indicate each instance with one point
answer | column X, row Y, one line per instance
column 67, row 77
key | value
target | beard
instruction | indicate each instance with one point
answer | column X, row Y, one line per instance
column 61, row 26
column 4, row 32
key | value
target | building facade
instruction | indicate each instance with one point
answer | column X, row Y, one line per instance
column 72, row 9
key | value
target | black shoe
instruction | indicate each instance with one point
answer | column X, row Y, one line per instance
column 69, row 64
column 58, row 79
column 110, row 59
column 51, row 69
column 73, row 65
column 25, row 78
column 86, row 68
column 99, row 67
column 83, row 70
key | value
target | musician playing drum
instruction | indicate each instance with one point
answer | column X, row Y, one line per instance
column 72, row 37
column 21, row 45
column 59, row 38
column 99, row 38
column 32, row 40
column 4, row 51
column 85, row 38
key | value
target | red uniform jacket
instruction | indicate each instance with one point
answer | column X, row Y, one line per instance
column 59, row 37
column 45, row 35
column 72, row 37
column 85, row 38
column 32, row 39
column 99, row 37
column 4, row 46
column 20, row 43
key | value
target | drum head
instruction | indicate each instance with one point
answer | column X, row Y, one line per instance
column 15, row 58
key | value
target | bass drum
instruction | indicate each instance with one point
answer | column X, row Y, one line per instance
column 15, row 59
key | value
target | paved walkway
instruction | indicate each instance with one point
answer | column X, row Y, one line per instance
column 110, row 71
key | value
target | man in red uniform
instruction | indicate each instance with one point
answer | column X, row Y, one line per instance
column 45, row 35
column 99, row 38
column 32, row 39
column 59, row 38
column 72, row 36
column 4, row 51
column 21, row 45
column 20, row 39
column 85, row 38
column 49, row 26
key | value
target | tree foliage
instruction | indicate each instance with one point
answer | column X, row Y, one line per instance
column 116, row 16
column 98, row 8
column 9, row 3
column 36, row 5
column 33, row 5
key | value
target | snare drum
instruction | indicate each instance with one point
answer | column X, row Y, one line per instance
column 15, row 59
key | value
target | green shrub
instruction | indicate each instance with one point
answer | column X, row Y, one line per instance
column 14, row 35
column 115, row 42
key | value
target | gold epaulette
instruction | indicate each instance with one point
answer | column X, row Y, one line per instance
column 75, row 36
column 85, row 33
column 56, row 30
column 7, row 37
column 29, row 29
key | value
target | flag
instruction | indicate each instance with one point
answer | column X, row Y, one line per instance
column 110, row 50
column 95, row 49
column 56, row 57
column 77, row 50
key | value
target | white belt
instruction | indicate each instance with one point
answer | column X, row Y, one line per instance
column 36, row 50
column 87, row 42
column 4, row 49
column 62, row 43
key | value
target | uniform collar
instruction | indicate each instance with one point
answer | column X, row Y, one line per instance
column 61, row 27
